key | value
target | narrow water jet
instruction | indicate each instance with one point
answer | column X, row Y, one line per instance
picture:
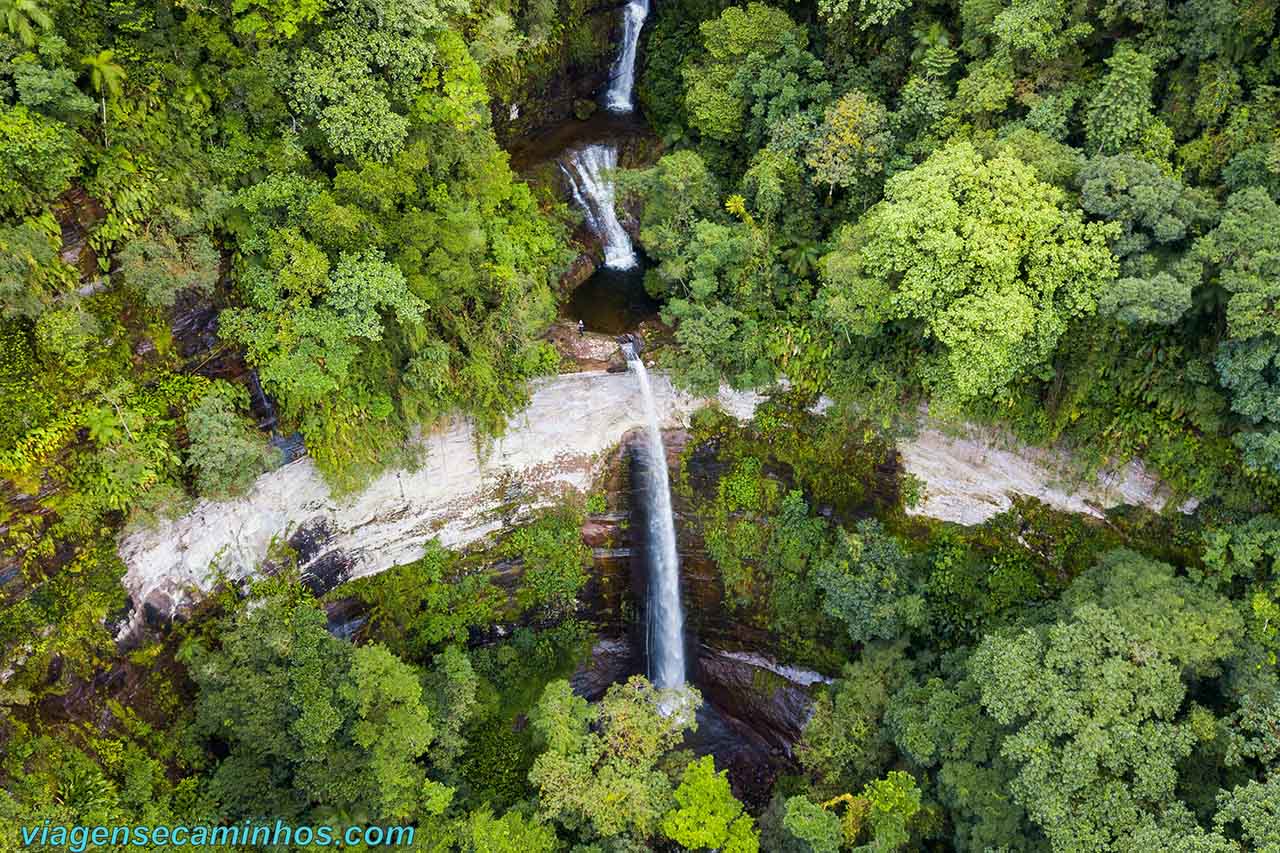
column 620, row 96
column 588, row 171
column 665, row 613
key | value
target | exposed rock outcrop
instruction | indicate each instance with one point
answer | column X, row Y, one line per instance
column 773, row 699
column 971, row 477
column 466, row 489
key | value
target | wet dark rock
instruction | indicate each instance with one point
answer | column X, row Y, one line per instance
column 581, row 269
column 598, row 533
column 291, row 447
column 194, row 322
column 157, row 610
column 144, row 347
column 775, row 706
column 309, row 540
column 322, row 569
column 327, row 571
column 78, row 213
column 612, row 661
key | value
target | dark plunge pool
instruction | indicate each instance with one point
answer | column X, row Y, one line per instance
column 613, row 301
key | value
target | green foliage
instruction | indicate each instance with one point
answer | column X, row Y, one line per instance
column 757, row 72
column 38, row 159
column 852, row 143
column 419, row 606
column 308, row 718
column 511, row 833
column 866, row 584
column 272, row 21
column 31, row 273
column 845, row 741
column 599, row 772
column 157, row 266
column 1076, row 758
column 995, row 300
column 24, row 18
column 813, row 825
column 1119, row 117
column 707, row 815
column 555, row 560
column 225, row 453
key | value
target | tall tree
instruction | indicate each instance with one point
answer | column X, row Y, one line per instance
column 988, row 262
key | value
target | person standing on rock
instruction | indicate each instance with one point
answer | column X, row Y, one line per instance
column 582, row 328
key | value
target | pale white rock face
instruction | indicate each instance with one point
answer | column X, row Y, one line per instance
column 464, row 492
column 972, row 477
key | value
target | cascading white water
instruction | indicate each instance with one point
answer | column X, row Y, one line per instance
column 666, row 615
column 620, row 96
column 588, row 171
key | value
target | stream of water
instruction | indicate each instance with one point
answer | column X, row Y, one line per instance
column 620, row 96
column 589, row 174
column 666, row 615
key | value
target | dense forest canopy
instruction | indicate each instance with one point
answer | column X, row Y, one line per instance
column 1059, row 218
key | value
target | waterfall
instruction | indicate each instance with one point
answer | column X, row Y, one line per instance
column 666, row 617
column 592, row 186
column 620, row 96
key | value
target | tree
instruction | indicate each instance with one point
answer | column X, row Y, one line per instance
column 892, row 804
column 555, row 560
column 158, row 266
column 1153, row 209
column 707, row 816
column 1150, row 205
column 38, row 159
column 678, row 190
column 869, row 13
column 1239, row 257
column 845, row 742
column 757, row 72
column 1096, row 701
column 939, row 725
column 417, row 607
column 866, row 584
column 225, row 453
column 31, row 273
column 599, row 771
column 812, row 824
column 1119, row 116
column 1254, row 808
column 23, row 17
column 53, row 92
column 308, row 719
column 853, row 142
column 511, row 833
column 106, row 76
column 271, row 21
column 995, row 290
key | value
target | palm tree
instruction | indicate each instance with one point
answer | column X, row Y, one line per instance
column 802, row 257
column 106, row 76
column 21, row 17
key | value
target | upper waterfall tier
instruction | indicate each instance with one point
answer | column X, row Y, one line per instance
column 588, row 171
column 620, row 96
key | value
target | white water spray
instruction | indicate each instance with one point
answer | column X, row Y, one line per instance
column 620, row 96
column 588, row 171
column 666, row 616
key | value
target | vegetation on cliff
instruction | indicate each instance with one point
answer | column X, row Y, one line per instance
column 1061, row 217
